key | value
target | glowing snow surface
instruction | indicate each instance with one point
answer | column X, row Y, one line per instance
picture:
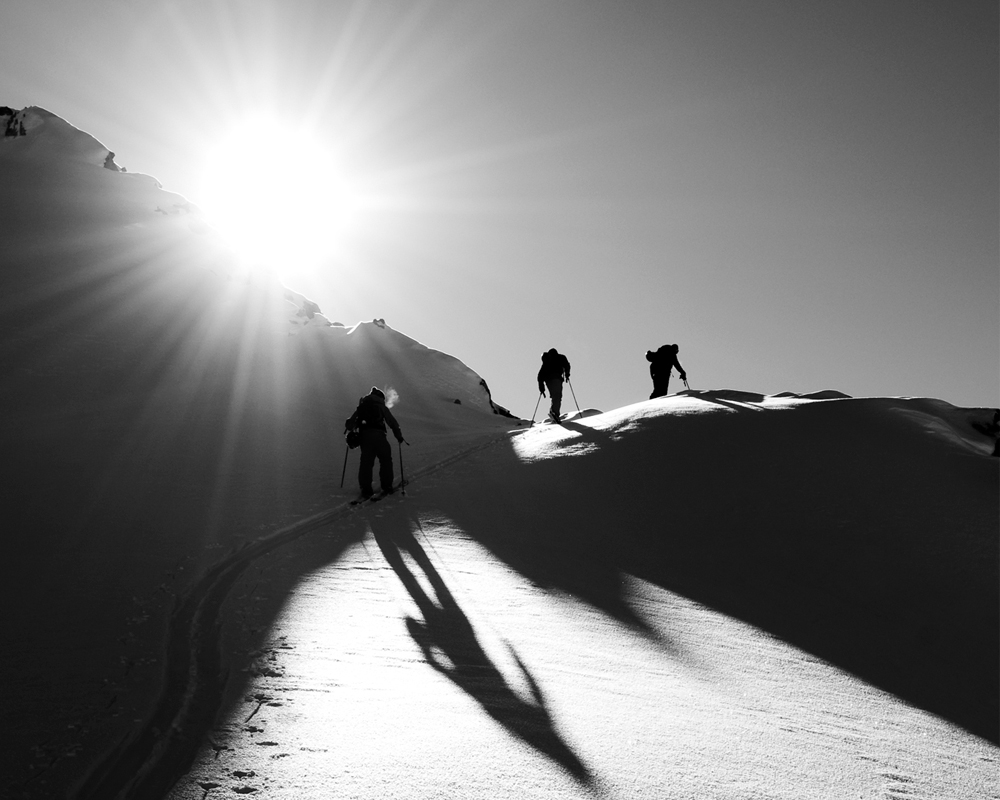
column 410, row 662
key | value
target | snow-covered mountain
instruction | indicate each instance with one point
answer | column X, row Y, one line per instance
column 156, row 399
column 40, row 134
column 715, row 594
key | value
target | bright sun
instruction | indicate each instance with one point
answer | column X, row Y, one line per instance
column 276, row 196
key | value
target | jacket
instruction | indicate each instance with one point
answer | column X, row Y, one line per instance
column 373, row 417
column 555, row 367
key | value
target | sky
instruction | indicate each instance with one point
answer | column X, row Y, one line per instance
column 802, row 195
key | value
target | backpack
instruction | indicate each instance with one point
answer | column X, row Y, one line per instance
column 663, row 355
column 553, row 364
column 368, row 415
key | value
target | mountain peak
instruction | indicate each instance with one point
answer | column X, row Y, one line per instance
column 42, row 134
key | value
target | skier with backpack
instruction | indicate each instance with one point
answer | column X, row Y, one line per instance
column 365, row 428
column 554, row 370
column 661, row 362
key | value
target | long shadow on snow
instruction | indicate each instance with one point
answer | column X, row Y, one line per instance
column 269, row 577
column 873, row 566
column 449, row 644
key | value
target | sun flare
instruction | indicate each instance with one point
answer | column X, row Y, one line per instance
column 277, row 197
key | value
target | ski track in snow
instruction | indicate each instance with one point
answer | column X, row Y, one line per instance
column 193, row 678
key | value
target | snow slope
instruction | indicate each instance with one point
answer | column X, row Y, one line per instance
column 716, row 594
column 159, row 407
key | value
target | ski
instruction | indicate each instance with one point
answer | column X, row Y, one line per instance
column 374, row 498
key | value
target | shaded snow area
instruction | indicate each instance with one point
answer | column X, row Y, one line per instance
column 700, row 596
column 717, row 594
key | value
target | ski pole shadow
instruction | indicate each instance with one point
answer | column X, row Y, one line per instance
column 586, row 432
column 738, row 401
column 449, row 644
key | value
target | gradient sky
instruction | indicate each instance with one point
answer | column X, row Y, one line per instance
column 803, row 195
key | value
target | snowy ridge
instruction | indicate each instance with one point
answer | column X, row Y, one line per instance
column 420, row 369
column 49, row 143
column 973, row 431
column 64, row 184
column 34, row 132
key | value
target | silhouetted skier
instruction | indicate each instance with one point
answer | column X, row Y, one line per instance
column 369, row 420
column 661, row 361
column 555, row 369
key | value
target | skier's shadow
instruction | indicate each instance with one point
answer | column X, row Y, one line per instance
column 449, row 644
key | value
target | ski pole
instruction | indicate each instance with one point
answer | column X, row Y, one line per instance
column 574, row 395
column 342, row 474
column 402, row 476
column 536, row 408
column 687, row 385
